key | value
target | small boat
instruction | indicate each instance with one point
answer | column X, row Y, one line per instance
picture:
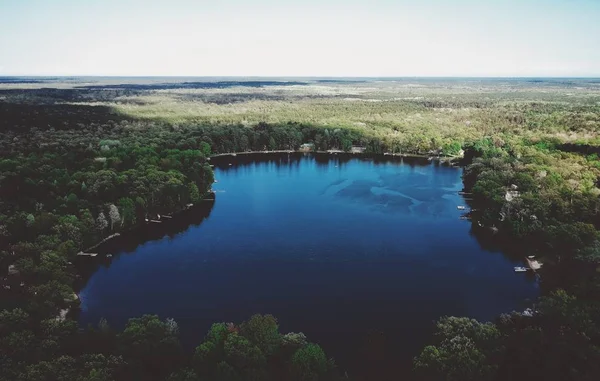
column 520, row 269
column 461, row 207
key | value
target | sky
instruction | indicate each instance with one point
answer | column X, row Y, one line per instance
column 365, row 38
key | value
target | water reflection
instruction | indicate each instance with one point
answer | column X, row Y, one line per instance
column 347, row 251
column 128, row 242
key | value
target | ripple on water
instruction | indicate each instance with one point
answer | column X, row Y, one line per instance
column 331, row 250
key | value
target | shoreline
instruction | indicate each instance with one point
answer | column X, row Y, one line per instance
column 444, row 159
column 83, row 258
column 210, row 195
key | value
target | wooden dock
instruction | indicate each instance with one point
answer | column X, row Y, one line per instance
column 100, row 243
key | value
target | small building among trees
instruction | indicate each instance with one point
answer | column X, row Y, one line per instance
column 307, row 147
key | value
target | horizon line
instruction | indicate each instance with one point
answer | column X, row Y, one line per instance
column 597, row 76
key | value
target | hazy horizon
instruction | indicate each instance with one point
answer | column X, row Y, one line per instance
column 307, row 77
column 318, row 39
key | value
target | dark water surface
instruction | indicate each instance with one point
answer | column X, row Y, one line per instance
column 360, row 255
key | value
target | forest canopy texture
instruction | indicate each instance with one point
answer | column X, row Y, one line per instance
column 85, row 159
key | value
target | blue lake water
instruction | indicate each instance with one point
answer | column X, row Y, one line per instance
column 348, row 251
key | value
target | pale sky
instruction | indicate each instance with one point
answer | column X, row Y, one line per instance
column 377, row 38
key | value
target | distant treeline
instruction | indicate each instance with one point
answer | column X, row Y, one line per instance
column 194, row 85
column 37, row 125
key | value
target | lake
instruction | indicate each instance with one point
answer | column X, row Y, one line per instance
column 360, row 255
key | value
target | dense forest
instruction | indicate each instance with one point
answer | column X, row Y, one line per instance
column 544, row 200
column 83, row 163
column 74, row 175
